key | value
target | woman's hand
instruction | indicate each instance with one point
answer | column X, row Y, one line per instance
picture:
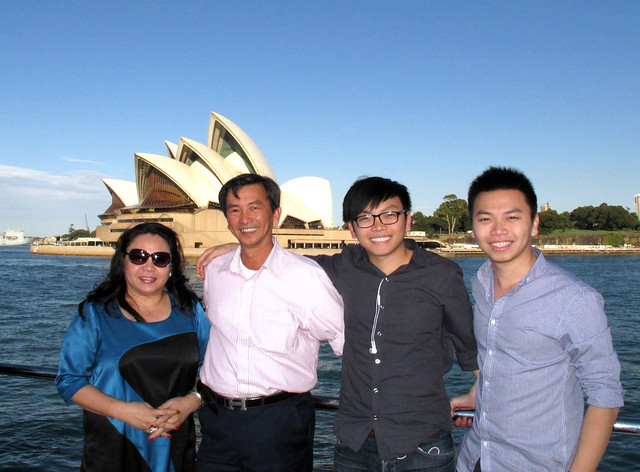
column 143, row 416
column 140, row 415
column 182, row 406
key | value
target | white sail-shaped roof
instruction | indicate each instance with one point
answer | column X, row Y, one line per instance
column 192, row 174
column 315, row 192
column 125, row 190
column 293, row 207
column 172, row 149
column 255, row 160
column 213, row 162
column 191, row 183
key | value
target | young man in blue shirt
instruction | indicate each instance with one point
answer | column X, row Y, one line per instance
column 543, row 345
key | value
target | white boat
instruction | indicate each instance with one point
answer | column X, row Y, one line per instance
column 14, row 237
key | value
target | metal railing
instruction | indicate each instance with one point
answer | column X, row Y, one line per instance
column 622, row 425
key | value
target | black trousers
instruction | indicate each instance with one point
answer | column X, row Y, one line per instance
column 275, row 438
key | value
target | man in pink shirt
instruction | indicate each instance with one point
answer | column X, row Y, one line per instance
column 269, row 309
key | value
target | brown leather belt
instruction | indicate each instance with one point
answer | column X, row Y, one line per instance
column 210, row 397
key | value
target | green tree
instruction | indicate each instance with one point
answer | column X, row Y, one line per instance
column 436, row 225
column 79, row 233
column 452, row 210
column 550, row 221
column 430, row 224
column 566, row 217
column 604, row 217
column 581, row 217
column 419, row 222
column 75, row 234
column 621, row 218
column 465, row 223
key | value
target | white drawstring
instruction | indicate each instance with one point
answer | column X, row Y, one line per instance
column 373, row 349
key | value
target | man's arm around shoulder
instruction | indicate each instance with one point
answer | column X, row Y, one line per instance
column 324, row 309
column 211, row 253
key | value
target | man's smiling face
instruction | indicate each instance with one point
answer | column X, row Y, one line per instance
column 502, row 226
column 250, row 217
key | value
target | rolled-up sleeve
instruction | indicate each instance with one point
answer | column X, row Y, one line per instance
column 587, row 339
column 326, row 315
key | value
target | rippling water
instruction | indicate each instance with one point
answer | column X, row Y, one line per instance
column 39, row 295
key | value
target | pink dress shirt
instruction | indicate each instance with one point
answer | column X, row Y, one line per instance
column 266, row 326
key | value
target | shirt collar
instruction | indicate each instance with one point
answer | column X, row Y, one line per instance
column 273, row 262
column 360, row 258
column 485, row 273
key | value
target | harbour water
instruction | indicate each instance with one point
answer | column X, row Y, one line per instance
column 39, row 296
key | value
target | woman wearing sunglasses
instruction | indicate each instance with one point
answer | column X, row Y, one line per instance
column 131, row 357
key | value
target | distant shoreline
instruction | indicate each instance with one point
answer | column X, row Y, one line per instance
column 564, row 251
column 194, row 253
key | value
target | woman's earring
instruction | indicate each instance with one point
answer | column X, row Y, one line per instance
column 170, row 273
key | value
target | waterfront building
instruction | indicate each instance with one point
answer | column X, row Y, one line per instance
column 637, row 204
column 181, row 191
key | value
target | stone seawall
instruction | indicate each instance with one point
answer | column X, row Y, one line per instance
column 562, row 251
column 95, row 251
column 194, row 253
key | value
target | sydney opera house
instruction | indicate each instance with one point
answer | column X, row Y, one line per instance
column 181, row 191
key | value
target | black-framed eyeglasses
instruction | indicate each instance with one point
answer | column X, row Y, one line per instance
column 140, row 256
column 386, row 218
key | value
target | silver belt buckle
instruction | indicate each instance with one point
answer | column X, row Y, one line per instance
column 234, row 403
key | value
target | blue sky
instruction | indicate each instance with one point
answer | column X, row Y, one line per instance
column 428, row 93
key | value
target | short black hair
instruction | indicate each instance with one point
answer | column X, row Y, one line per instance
column 502, row 178
column 369, row 192
column 242, row 180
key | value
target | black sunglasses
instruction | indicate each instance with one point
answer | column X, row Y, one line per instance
column 140, row 256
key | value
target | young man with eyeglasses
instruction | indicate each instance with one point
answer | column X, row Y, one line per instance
column 405, row 311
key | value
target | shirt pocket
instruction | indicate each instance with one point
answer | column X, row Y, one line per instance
column 532, row 346
column 276, row 333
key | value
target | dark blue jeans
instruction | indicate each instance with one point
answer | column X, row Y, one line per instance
column 277, row 437
column 433, row 455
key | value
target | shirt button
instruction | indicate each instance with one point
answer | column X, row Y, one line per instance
column 377, row 361
column 484, row 414
column 485, row 443
column 486, row 383
column 375, row 390
column 491, row 352
column 375, row 417
column 493, row 322
column 379, row 333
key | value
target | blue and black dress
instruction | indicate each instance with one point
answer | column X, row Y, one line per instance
column 150, row 362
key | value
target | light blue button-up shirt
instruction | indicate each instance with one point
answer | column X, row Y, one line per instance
column 542, row 348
